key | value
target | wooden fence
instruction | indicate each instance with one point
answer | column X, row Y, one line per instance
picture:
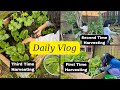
column 109, row 15
column 112, row 49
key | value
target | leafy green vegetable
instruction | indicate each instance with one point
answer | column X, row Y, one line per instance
column 29, row 21
column 13, row 26
column 96, row 27
column 38, row 72
column 65, row 59
column 14, row 33
column 2, row 32
column 4, row 44
column 10, row 27
column 1, row 50
column 35, row 14
column 24, row 34
column 21, row 48
column 52, row 64
column 14, row 58
column 53, row 68
column 94, row 64
column 24, row 14
column 11, row 50
column 19, row 28
column 26, row 57
column 16, row 38
column 44, row 13
column 15, row 15
column 20, row 20
column 4, row 37
column 51, row 60
column 75, row 58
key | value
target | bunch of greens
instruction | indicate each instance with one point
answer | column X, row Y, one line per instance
column 82, row 56
column 52, row 64
column 96, row 27
column 20, row 27
column 94, row 64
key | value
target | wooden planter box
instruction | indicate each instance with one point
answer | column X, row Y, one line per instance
column 100, row 76
column 82, row 75
column 38, row 59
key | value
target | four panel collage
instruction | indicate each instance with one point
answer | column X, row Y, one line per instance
column 19, row 28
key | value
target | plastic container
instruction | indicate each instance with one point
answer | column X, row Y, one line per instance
column 109, row 76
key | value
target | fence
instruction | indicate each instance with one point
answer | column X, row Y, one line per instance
column 112, row 49
column 110, row 15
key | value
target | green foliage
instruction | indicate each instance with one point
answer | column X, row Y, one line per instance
column 24, row 14
column 47, row 31
column 38, row 72
column 65, row 58
column 21, row 48
column 41, row 19
column 35, row 14
column 96, row 27
column 18, row 30
column 29, row 20
column 26, row 57
column 92, row 28
column 94, row 64
column 81, row 57
column 1, row 50
column 100, row 24
column 15, row 15
column 20, row 27
column 70, row 17
column 76, row 30
column 13, row 26
column 15, row 35
column 75, row 58
column 11, row 50
column 4, row 37
column 65, row 77
column 52, row 64
column 17, row 53
column 2, row 32
column 24, row 34
column 4, row 44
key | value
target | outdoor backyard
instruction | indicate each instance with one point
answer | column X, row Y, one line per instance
column 71, row 23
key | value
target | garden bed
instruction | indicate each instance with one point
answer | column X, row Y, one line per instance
column 14, row 29
column 81, row 75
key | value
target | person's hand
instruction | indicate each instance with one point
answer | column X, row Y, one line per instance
column 28, row 40
column 37, row 32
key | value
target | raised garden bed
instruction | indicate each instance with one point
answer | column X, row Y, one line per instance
column 13, row 30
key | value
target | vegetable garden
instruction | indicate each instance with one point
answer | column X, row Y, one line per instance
column 20, row 26
column 94, row 27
